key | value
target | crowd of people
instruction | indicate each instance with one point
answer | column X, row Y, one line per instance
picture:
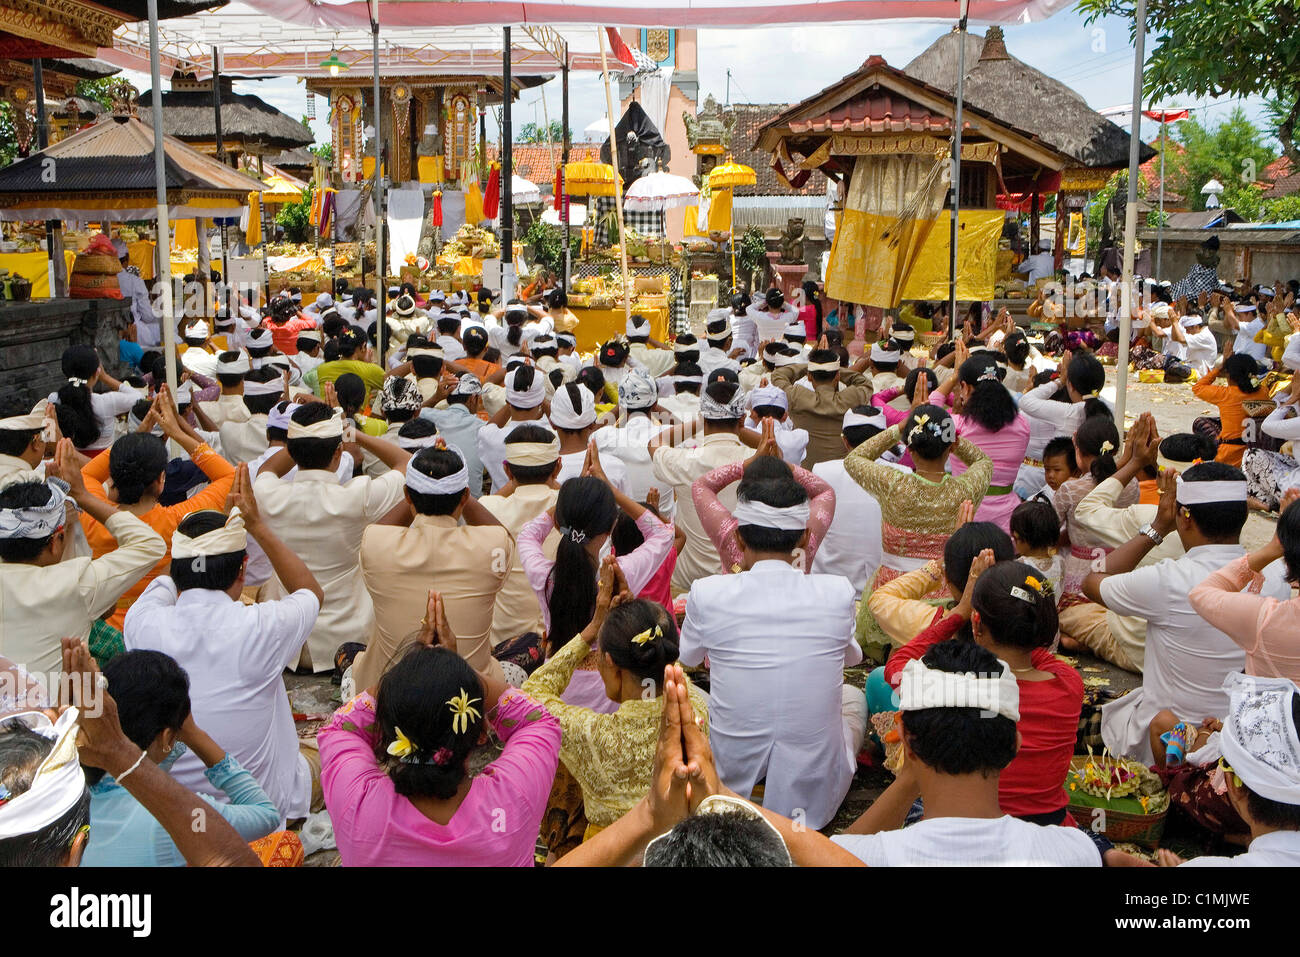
column 596, row 609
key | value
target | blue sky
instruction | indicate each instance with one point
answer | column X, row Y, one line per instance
column 783, row 65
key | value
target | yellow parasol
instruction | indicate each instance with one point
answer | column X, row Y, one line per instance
column 280, row 190
column 728, row 176
column 589, row 179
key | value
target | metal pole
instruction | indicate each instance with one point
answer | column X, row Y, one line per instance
column 160, row 184
column 956, row 172
column 507, row 161
column 56, row 268
column 618, row 182
column 1160, row 225
column 564, row 162
column 224, row 297
column 381, row 258
column 1130, row 216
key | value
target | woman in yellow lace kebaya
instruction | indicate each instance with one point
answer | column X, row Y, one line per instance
column 919, row 509
column 612, row 755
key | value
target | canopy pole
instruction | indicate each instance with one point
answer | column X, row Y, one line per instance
column 956, row 172
column 505, row 181
column 224, row 296
column 56, row 268
column 618, row 182
column 1130, row 216
column 564, row 162
column 164, row 282
column 1160, row 225
column 381, row 263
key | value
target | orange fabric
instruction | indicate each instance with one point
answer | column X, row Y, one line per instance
column 1149, row 492
column 279, row 849
column 285, row 335
column 480, row 367
column 163, row 519
column 1232, row 415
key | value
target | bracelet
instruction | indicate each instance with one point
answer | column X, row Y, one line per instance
column 122, row 777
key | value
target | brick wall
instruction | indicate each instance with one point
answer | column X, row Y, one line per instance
column 33, row 336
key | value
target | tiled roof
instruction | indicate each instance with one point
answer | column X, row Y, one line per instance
column 537, row 161
column 750, row 118
column 875, row 111
column 1284, row 187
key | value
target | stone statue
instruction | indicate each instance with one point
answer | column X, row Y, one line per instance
column 430, row 142
column 711, row 126
column 792, row 241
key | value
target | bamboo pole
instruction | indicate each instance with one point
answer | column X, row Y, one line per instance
column 618, row 183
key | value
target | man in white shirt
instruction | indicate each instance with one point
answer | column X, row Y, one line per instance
column 148, row 329
column 718, row 352
column 1186, row 658
column 777, row 642
column 198, row 357
column 244, row 439
column 769, row 402
column 573, row 416
column 627, row 439
column 459, row 425
column 235, row 653
column 771, row 316
column 679, row 391
column 449, row 337
column 323, row 302
column 1041, row 265
column 525, row 393
column 851, row 546
column 1191, row 342
column 230, row 369
column 653, row 355
column 1245, row 322
column 323, row 521
column 309, row 351
column 959, row 705
column 722, row 408
column 43, row 597
column 22, row 438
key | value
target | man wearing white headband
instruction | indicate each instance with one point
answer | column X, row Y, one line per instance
column 771, row 316
column 959, row 705
column 465, row 563
column 655, row 356
column 44, row 598
column 532, row 464
column 626, row 440
column 244, row 439
column 679, row 391
column 723, row 409
column 198, row 356
column 1186, row 657
column 1192, row 342
column 851, row 546
column 821, row 409
column 719, row 352
column 525, row 393
column 885, row 364
column 323, row 521
column 769, row 402
column 460, row 425
column 22, row 438
column 573, row 416
column 310, row 351
column 780, row 709
column 235, row 653
column 231, row 368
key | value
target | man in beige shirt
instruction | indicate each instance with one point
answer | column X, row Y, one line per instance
column 323, row 521
column 722, row 407
column 44, row 598
column 532, row 464
column 229, row 406
column 821, row 409
column 466, row 564
column 22, row 442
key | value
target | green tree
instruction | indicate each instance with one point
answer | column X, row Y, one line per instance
column 1234, row 152
column 324, row 151
column 8, row 137
column 296, row 218
column 105, row 90
column 548, row 244
column 1281, row 210
column 1220, row 48
column 535, row 133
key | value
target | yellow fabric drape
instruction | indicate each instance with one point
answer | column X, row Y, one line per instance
column 253, row 234
column 720, row 211
column 874, row 252
column 141, row 255
column 977, row 258
column 474, row 205
column 185, row 236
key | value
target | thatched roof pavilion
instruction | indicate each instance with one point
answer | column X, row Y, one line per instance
column 249, row 125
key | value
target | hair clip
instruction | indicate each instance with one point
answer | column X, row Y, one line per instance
column 442, row 757
column 1018, row 592
column 575, row 535
column 462, row 711
column 1197, row 462
column 401, row 746
column 647, row 636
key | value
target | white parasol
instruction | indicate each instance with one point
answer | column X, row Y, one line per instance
column 524, row 191
column 659, row 191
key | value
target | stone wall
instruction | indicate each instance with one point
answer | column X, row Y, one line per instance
column 33, row 336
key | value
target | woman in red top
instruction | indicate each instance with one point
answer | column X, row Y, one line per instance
column 285, row 322
column 1011, row 611
column 627, row 538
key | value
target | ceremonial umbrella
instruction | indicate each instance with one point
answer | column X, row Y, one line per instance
column 728, row 176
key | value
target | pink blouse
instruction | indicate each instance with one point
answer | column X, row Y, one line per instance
column 496, row 824
column 1268, row 629
column 1006, row 447
column 720, row 526
column 893, row 416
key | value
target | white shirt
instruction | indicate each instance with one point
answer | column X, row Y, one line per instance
column 107, row 406
column 226, row 408
column 680, row 467
column 1039, row 266
column 655, row 361
column 974, row 842
column 1187, row 658
column 492, row 448
column 851, row 546
column 243, row 441
column 1066, row 417
column 777, row 641
column 306, row 363
column 711, row 358
column 1245, row 340
column 626, row 444
column 234, row 654
column 684, row 406
column 1199, row 351
column 792, row 442
column 148, row 330
column 769, row 325
column 1274, row 849
column 571, row 467
column 451, row 348
column 322, row 521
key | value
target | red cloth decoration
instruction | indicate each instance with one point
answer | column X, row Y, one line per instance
column 1166, row 116
column 492, row 194
column 620, row 49
column 437, row 207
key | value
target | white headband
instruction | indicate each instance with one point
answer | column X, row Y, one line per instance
column 680, row 347
column 1210, row 493
column 226, row 540
column 790, row 519
column 922, row 688
column 58, row 783
column 274, row 387
column 852, row 419
column 824, row 366
column 276, row 419
column 533, row 453
column 565, row 416
column 414, row 445
column 35, row 521
column 1166, row 463
column 331, row 428
column 312, row 334
column 529, row 399
column 435, row 351
column 199, row 330
column 234, row 366
column 884, row 355
column 688, row 379
column 417, row 481
column 1259, row 736
column 34, row 419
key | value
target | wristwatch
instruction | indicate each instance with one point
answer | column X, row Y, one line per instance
column 1149, row 531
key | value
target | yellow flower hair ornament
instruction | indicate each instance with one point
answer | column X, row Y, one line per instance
column 647, row 636
column 462, row 711
column 401, row 746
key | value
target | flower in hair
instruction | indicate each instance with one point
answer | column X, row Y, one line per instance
column 442, row 756
column 647, row 636
column 1107, row 447
column 1034, row 583
column 401, row 746
column 462, row 711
